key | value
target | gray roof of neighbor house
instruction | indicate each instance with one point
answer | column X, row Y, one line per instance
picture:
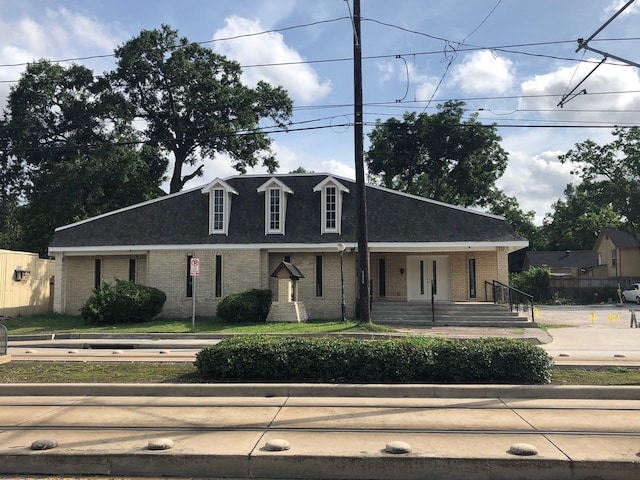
column 620, row 238
column 183, row 219
column 562, row 259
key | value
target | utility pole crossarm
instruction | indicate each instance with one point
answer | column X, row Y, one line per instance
column 584, row 45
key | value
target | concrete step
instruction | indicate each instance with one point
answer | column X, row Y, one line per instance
column 413, row 314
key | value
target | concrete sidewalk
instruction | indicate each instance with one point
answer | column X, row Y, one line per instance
column 322, row 432
column 334, row 431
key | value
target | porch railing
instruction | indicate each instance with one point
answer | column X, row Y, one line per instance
column 503, row 294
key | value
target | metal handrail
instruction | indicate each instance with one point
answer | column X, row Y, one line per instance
column 433, row 304
column 513, row 292
column 4, row 340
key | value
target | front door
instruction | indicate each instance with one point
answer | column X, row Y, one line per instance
column 425, row 271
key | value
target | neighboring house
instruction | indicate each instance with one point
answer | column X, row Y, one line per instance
column 563, row 263
column 25, row 283
column 618, row 253
column 242, row 228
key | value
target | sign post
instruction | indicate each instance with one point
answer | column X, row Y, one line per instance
column 194, row 271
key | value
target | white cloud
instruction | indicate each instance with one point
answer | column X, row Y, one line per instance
column 55, row 34
column 536, row 180
column 83, row 30
column 605, row 100
column 534, row 175
column 302, row 82
column 616, row 5
column 483, row 72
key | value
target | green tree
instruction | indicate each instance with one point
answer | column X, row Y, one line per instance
column 611, row 173
column 439, row 156
column 194, row 103
column 11, row 181
column 78, row 158
column 521, row 222
column 301, row 170
column 577, row 219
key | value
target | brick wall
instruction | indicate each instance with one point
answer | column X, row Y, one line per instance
column 78, row 275
column 78, row 282
column 167, row 271
column 396, row 280
column 245, row 269
column 329, row 305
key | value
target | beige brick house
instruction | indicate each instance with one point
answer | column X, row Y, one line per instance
column 241, row 229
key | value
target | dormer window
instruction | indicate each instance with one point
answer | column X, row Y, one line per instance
column 331, row 204
column 220, row 193
column 218, row 211
column 275, row 202
column 330, row 209
column 275, row 206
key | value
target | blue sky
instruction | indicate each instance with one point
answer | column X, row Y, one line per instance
column 509, row 60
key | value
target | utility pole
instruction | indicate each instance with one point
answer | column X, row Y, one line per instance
column 363, row 237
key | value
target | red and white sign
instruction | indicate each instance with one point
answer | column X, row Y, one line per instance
column 195, row 267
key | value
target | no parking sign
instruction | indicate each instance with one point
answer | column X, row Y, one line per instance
column 195, row 267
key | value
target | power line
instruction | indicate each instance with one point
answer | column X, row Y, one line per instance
column 279, row 130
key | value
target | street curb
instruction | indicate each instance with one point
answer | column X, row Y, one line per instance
column 325, row 390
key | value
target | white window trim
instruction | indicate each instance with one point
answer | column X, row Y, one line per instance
column 273, row 184
column 280, row 196
column 340, row 191
column 228, row 191
column 325, row 209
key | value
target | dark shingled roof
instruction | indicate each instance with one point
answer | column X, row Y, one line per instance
column 563, row 259
column 182, row 219
column 620, row 238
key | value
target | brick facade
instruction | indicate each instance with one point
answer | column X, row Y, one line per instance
column 246, row 269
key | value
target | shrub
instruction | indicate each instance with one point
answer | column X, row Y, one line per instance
column 534, row 281
column 405, row 360
column 123, row 302
column 245, row 307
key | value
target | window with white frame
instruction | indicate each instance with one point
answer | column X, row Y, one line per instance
column 275, row 205
column 220, row 193
column 332, row 193
column 331, row 208
column 218, row 210
column 275, row 196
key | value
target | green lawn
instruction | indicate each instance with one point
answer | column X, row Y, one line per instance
column 57, row 323
column 178, row 372
column 146, row 372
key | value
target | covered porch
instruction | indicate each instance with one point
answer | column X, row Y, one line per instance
column 454, row 275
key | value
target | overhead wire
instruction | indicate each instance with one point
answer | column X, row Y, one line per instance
column 462, row 48
column 454, row 54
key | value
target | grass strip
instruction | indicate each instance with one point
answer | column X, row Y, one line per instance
column 181, row 372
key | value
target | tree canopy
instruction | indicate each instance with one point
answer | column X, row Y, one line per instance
column 69, row 149
column 577, row 219
column 194, row 103
column 611, row 174
column 75, row 159
column 439, row 156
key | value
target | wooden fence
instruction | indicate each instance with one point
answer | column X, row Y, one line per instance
column 570, row 287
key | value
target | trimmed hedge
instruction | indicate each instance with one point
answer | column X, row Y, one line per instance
column 123, row 302
column 348, row 360
column 245, row 307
